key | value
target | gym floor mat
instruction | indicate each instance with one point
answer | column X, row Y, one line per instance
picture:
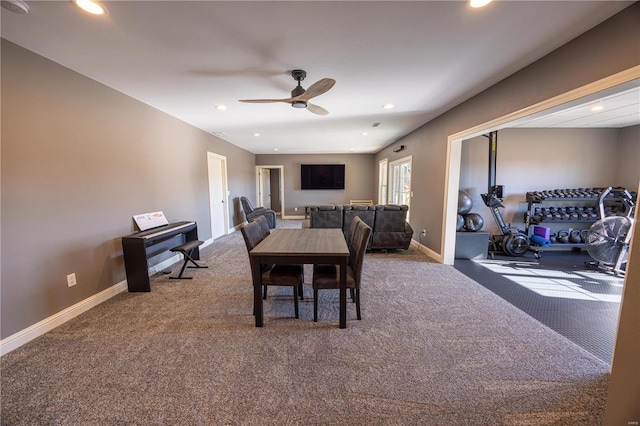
column 558, row 290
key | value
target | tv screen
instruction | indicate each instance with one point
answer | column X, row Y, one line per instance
column 322, row 176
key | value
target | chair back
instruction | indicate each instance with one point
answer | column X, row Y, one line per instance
column 246, row 205
column 358, row 248
column 264, row 225
column 252, row 234
column 366, row 213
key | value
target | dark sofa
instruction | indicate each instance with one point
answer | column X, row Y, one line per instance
column 390, row 229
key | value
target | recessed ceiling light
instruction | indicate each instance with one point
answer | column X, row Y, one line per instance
column 388, row 106
column 256, row 134
column 364, row 133
column 221, row 107
column 478, row 3
column 91, row 6
column 275, row 149
column 597, row 108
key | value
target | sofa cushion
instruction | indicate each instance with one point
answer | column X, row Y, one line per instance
column 325, row 216
column 390, row 218
column 366, row 213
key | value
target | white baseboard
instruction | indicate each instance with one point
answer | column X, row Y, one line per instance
column 165, row 264
column 293, row 217
column 20, row 338
column 426, row 250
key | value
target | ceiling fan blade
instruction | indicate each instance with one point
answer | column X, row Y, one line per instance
column 316, row 89
column 262, row 101
column 316, row 109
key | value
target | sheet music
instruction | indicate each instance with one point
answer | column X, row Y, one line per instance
column 150, row 220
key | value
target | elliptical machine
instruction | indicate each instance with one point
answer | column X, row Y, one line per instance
column 511, row 242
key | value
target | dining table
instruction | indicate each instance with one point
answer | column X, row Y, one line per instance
column 300, row 246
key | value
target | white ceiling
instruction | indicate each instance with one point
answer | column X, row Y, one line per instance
column 425, row 57
column 621, row 109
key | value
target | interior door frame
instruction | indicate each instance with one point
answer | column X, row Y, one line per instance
column 383, row 190
column 614, row 83
column 280, row 186
column 225, row 191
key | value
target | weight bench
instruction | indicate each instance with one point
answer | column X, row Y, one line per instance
column 187, row 250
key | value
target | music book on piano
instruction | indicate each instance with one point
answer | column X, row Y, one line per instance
column 150, row 220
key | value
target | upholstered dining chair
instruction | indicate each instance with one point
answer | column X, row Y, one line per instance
column 273, row 275
column 264, row 225
column 328, row 276
column 253, row 212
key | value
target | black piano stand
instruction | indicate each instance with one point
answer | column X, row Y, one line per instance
column 187, row 249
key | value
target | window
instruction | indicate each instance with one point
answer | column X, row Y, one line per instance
column 400, row 182
column 382, row 181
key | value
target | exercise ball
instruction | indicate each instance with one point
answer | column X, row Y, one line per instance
column 473, row 222
column 460, row 223
column 465, row 203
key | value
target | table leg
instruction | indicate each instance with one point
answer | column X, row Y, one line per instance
column 257, row 291
column 343, row 293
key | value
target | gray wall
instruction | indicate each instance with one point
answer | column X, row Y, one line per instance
column 359, row 179
column 78, row 161
column 607, row 49
column 538, row 159
column 628, row 167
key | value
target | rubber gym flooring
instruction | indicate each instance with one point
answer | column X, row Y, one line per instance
column 579, row 302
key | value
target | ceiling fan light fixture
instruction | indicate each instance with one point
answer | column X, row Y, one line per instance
column 16, row 6
column 299, row 104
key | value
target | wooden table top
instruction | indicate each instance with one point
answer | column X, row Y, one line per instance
column 307, row 241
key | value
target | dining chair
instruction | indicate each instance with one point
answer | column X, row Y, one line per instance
column 273, row 275
column 264, row 225
column 328, row 276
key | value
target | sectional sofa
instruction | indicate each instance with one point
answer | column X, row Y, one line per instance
column 390, row 229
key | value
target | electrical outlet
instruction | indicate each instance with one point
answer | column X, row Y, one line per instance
column 424, row 232
column 71, row 280
column 295, row 209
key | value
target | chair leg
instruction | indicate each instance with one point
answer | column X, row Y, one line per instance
column 264, row 296
column 301, row 290
column 180, row 277
column 187, row 259
column 315, row 305
column 295, row 299
column 357, row 291
column 353, row 294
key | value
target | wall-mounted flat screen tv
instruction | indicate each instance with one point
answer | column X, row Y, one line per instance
column 322, row 176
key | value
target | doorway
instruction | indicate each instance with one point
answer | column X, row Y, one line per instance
column 270, row 188
column 606, row 86
column 573, row 302
column 218, row 194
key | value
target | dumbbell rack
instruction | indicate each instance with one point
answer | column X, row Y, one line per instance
column 562, row 206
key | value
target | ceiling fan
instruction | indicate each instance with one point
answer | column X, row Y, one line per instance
column 299, row 96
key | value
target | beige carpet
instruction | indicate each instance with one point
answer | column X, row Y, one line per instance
column 433, row 348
